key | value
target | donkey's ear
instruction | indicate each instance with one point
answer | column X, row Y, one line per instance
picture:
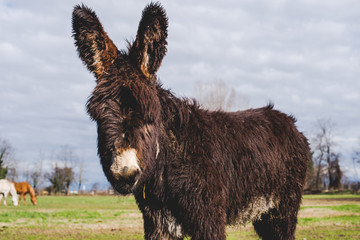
column 149, row 48
column 95, row 48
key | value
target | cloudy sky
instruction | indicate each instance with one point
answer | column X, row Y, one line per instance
column 304, row 56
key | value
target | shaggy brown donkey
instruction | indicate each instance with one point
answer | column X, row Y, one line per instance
column 192, row 171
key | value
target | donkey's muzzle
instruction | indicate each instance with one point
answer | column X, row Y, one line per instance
column 124, row 170
column 125, row 185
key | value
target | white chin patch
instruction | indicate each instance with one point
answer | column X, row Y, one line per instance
column 125, row 163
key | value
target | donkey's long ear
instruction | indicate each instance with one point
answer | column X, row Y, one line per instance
column 94, row 46
column 149, row 48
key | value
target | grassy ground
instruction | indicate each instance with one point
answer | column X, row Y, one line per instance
column 110, row 217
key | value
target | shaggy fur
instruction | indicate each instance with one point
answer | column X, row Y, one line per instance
column 198, row 170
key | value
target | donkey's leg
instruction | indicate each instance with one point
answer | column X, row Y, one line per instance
column 203, row 224
column 277, row 225
column 160, row 224
column 209, row 225
column 210, row 229
column 1, row 196
column 205, row 215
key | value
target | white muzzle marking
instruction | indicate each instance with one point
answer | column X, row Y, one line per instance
column 124, row 163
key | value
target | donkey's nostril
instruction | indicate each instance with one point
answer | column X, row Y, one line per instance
column 125, row 170
column 137, row 174
column 134, row 176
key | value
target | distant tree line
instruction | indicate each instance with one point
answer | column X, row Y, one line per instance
column 324, row 170
column 59, row 178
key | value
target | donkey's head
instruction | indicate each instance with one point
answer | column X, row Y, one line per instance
column 124, row 103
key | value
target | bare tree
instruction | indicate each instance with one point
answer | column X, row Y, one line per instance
column 56, row 179
column 217, row 95
column 7, row 160
column 37, row 171
column 67, row 156
column 321, row 143
column 356, row 161
column 60, row 179
column 3, row 168
column 26, row 175
column 34, row 174
column 62, row 175
column 80, row 176
column 95, row 187
column 334, row 171
column 70, row 159
column 325, row 160
column 310, row 175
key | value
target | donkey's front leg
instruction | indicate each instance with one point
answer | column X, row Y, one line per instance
column 160, row 224
column 208, row 225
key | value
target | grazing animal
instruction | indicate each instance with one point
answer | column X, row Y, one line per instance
column 7, row 187
column 192, row 171
column 23, row 188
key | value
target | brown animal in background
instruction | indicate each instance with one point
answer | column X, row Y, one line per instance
column 192, row 171
column 23, row 188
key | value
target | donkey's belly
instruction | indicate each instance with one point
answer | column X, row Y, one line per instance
column 254, row 210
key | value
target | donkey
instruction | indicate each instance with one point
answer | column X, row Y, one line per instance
column 192, row 171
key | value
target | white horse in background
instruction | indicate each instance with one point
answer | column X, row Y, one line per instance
column 7, row 187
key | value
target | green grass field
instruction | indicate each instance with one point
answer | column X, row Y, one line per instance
column 113, row 217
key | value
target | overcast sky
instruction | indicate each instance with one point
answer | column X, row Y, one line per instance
column 304, row 56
